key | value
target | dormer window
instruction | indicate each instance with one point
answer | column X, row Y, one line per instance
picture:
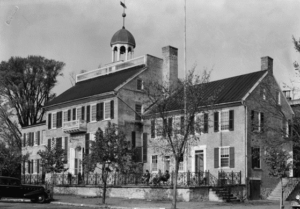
column 139, row 84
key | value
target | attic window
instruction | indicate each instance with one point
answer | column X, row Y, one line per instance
column 139, row 84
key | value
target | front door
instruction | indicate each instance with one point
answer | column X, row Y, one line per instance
column 199, row 162
column 255, row 189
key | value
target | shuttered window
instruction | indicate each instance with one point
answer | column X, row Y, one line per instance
column 224, row 157
column 107, row 110
column 100, row 111
column 74, row 114
column 93, row 112
column 69, row 115
column 54, row 120
column 133, row 139
column 138, row 112
column 59, row 120
column 59, row 143
column 82, row 113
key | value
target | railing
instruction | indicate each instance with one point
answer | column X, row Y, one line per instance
column 184, row 179
column 289, row 187
column 229, row 178
column 74, row 125
column 109, row 69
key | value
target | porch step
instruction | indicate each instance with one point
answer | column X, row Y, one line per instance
column 224, row 194
column 276, row 193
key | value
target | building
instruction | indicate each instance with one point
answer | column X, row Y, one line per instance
column 248, row 109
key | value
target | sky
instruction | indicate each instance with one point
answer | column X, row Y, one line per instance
column 226, row 36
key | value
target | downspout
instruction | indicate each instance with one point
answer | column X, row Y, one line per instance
column 246, row 150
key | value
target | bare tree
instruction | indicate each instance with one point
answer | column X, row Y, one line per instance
column 173, row 110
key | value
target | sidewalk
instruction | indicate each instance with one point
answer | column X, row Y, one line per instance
column 120, row 203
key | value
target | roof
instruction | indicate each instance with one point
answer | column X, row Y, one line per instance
column 123, row 36
column 96, row 86
column 227, row 90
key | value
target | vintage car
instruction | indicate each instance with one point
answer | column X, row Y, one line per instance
column 12, row 188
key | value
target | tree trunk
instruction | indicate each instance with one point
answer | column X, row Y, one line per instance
column 174, row 200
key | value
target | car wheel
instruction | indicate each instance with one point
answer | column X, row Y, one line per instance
column 41, row 198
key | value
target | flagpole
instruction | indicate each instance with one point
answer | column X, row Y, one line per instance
column 184, row 66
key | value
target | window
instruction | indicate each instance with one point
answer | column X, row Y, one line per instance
column 100, row 111
column 224, row 156
column 93, row 107
column 263, row 93
column 54, row 120
column 107, row 110
column 257, row 121
column 255, row 157
column 69, row 115
column 79, row 113
column 59, row 120
column 74, row 114
column 154, row 163
column 225, row 118
column 139, row 84
column 65, row 116
column 138, row 112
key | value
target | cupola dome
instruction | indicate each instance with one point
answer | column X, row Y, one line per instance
column 123, row 36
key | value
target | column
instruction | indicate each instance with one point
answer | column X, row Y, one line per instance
column 112, row 55
column 118, row 54
column 126, row 55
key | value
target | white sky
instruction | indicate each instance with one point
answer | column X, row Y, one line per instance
column 229, row 36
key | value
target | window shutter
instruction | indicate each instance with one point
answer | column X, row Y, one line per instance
column 88, row 112
column 38, row 138
column 49, row 120
column 231, row 120
column 164, row 127
column 38, row 166
column 262, row 121
column 28, row 166
column 152, row 128
column 231, row 156
column 82, row 113
column 31, row 166
column 133, row 139
column 49, row 143
column 112, row 109
column 59, row 119
column 252, row 120
column 87, row 143
column 98, row 111
column 192, row 125
column 145, row 135
column 101, row 111
column 66, row 150
column 216, row 121
column 216, row 154
column 69, row 115
column 205, row 129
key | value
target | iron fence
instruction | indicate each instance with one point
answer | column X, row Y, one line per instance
column 184, row 179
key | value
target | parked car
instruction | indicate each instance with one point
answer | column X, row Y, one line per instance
column 12, row 187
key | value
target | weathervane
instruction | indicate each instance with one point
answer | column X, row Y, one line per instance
column 124, row 14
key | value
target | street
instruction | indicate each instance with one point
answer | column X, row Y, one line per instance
column 29, row 205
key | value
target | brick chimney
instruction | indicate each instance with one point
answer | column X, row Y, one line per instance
column 267, row 64
column 170, row 66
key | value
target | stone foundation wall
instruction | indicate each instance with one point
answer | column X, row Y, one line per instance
column 151, row 193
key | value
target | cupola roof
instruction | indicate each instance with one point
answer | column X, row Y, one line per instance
column 122, row 36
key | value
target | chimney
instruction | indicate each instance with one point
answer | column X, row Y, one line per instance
column 170, row 65
column 267, row 64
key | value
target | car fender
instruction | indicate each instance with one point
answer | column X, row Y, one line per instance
column 34, row 193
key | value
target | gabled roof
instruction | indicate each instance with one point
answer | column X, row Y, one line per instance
column 96, row 86
column 225, row 91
